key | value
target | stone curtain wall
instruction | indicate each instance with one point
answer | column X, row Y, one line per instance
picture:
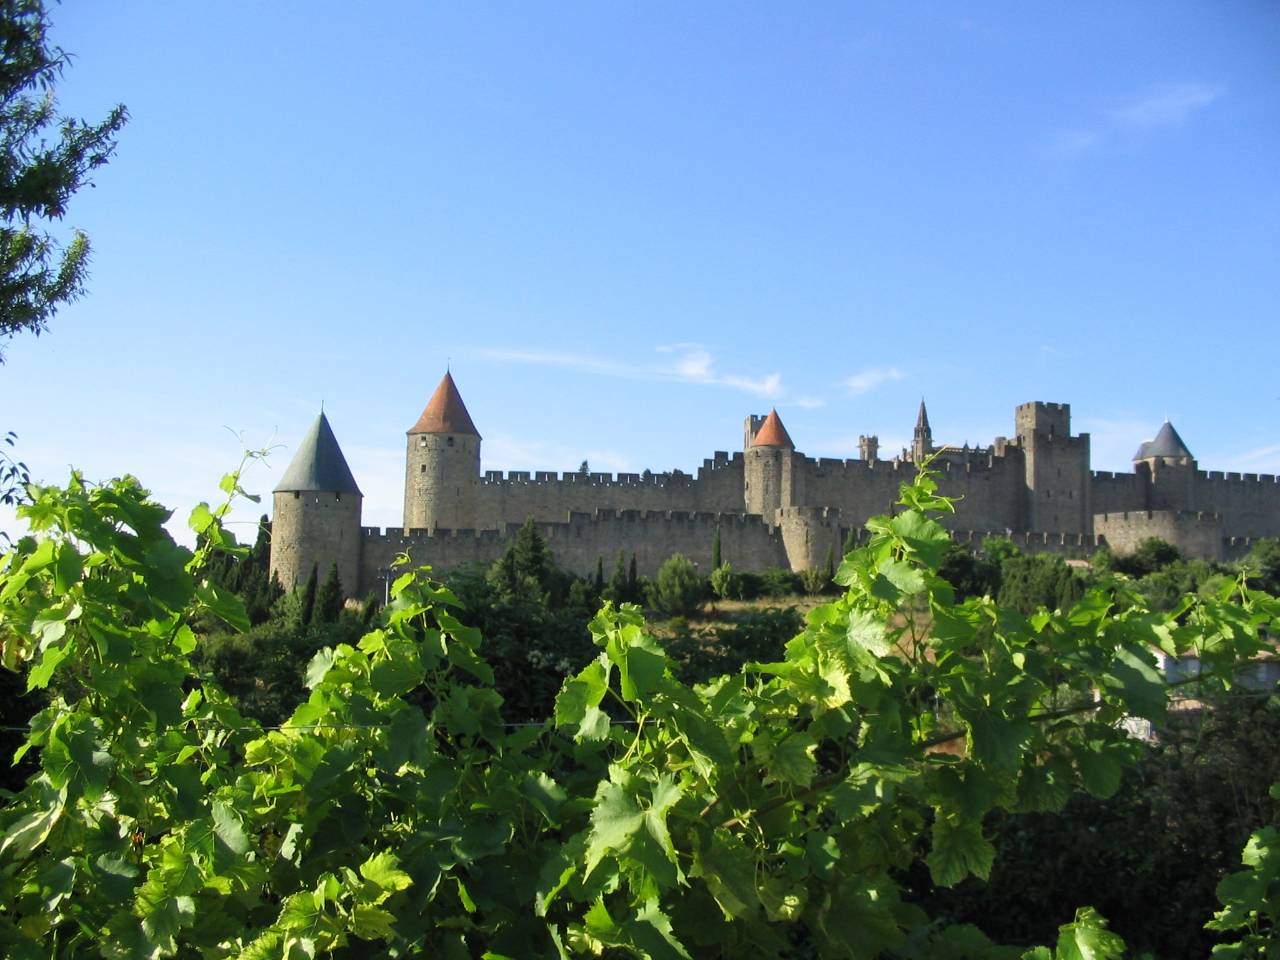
column 577, row 543
column 513, row 497
column 1249, row 503
column 990, row 488
column 1195, row 534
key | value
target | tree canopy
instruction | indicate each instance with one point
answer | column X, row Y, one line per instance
column 44, row 159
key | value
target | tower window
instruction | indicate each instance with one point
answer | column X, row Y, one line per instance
column 296, row 494
column 423, row 469
column 449, row 442
column 422, row 442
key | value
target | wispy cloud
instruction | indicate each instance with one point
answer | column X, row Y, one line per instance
column 1159, row 107
column 680, row 362
column 809, row 403
column 1260, row 459
column 867, row 380
column 1167, row 106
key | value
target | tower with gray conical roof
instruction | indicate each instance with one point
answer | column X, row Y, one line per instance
column 316, row 513
column 1167, row 471
column 442, row 464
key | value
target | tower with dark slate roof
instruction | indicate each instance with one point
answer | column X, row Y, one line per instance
column 442, row 464
column 1167, row 471
column 316, row 515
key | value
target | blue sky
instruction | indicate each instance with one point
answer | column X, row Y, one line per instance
column 631, row 225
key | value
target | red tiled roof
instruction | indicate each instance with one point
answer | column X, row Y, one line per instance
column 772, row 433
column 445, row 412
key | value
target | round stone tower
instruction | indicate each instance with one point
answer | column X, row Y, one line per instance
column 316, row 514
column 442, row 464
column 768, row 466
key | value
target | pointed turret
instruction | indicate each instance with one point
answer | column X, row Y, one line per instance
column 319, row 464
column 922, row 438
column 445, row 412
column 315, row 521
column 1167, row 445
column 442, row 464
column 772, row 433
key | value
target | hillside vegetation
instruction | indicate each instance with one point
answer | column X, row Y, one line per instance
column 493, row 768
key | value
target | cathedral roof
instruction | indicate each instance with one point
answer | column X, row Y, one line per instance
column 445, row 412
column 772, row 433
column 318, row 464
column 1166, row 444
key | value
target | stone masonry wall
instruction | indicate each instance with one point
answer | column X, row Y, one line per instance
column 989, row 488
column 1195, row 534
column 549, row 497
column 315, row 529
column 578, row 542
column 1249, row 502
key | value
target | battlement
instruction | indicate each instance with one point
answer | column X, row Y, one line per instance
column 525, row 477
column 1032, row 542
column 1217, row 476
column 1183, row 516
column 1047, row 406
column 821, row 515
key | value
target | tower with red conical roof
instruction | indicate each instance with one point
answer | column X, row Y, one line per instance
column 442, row 464
column 769, row 476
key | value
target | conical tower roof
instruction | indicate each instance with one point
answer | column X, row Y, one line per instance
column 319, row 464
column 445, row 412
column 1166, row 444
column 772, row 433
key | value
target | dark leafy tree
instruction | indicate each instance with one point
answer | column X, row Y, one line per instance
column 716, row 560
column 616, row 588
column 971, row 574
column 44, row 159
column 599, row 576
column 308, row 606
column 1042, row 580
column 1263, row 563
column 329, row 599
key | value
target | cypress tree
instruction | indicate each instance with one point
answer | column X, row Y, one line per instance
column 716, row 560
column 329, row 599
column 599, row 575
column 309, row 596
column 850, row 542
column 616, row 589
column 633, row 582
column 831, row 563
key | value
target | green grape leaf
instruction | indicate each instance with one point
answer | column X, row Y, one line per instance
column 959, row 849
column 792, row 760
column 1087, row 938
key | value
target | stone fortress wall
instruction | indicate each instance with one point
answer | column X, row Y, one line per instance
column 772, row 505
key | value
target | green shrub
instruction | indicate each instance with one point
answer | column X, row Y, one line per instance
column 678, row 590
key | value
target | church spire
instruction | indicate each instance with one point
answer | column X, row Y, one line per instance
column 922, row 439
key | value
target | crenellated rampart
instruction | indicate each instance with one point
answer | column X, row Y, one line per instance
column 1249, row 502
column 582, row 538
column 512, row 497
column 1195, row 533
